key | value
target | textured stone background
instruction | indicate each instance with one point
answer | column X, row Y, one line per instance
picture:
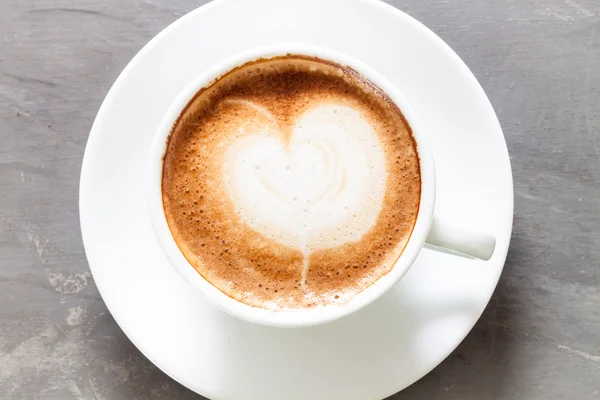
column 539, row 62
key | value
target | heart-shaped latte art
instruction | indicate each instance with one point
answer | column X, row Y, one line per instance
column 319, row 188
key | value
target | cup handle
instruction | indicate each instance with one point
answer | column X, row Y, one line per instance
column 461, row 240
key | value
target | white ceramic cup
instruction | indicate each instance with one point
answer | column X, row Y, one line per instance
column 427, row 229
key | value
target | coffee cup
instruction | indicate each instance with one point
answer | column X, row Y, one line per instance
column 428, row 227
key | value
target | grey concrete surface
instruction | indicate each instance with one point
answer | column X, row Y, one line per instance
column 539, row 62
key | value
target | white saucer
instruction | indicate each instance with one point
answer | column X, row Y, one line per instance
column 369, row 355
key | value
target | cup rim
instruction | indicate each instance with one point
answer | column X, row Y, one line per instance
column 301, row 317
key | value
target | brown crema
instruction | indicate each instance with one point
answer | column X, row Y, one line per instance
column 226, row 251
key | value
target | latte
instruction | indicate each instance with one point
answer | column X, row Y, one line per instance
column 291, row 182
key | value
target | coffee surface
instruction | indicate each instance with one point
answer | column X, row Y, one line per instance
column 291, row 182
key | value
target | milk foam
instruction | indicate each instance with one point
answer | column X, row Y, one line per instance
column 322, row 188
column 291, row 183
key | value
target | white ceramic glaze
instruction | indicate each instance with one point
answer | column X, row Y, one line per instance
column 444, row 234
column 380, row 349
